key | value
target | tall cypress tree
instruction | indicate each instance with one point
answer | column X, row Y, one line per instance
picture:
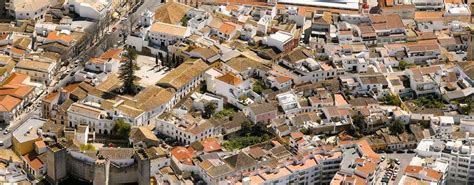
column 127, row 72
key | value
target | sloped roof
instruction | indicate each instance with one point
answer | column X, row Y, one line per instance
column 142, row 134
column 171, row 12
column 240, row 161
column 183, row 73
column 230, row 79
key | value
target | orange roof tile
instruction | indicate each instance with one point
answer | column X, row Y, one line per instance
column 283, row 79
column 17, row 51
column 71, row 87
column 32, row 160
column 339, row 99
column 227, row 28
column 56, row 35
column 296, row 135
column 16, row 78
column 231, row 79
column 425, row 15
column 303, row 166
column 40, row 144
column 18, row 91
column 183, row 155
column 115, row 53
column 50, row 97
column 8, row 103
column 211, row 145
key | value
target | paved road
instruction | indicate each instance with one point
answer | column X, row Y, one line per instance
column 34, row 109
column 404, row 158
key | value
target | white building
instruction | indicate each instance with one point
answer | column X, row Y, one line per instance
column 456, row 152
column 162, row 34
column 42, row 72
column 263, row 24
column 425, row 80
column 187, row 130
column 231, row 87
column 184, row 78
column 28, row 9
column 442, row 124
column 288, row 101
column 82, row 134
column 281, row 40
column 428, row 4
column 466, row 125
column 107, row 62
column 97, row 119
column 201, row 100
column 92, row 9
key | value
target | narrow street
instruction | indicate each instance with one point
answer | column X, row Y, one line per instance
column 34, row 108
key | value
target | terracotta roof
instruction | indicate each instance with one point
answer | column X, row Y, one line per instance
column 427, row 15
column 114, row 53
column 184, row 73
column 182, row 155
column 33, row 160
column 51, row 96
column 367, row 168
column 8, row 103
column 241, row 161
column 34, row 65
column 211, row 145
column 56, row 35
column 170, row 29
column 171, row 12
column 282, row 79
column 17, row 90
column 17, row 51
column 383, row 22
column 227, row 28
column 296, row 135
column 40, row 144
column 71, row 87
column 231, row 79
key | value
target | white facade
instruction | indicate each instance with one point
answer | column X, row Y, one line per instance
column 442, row 124
column 279, row 40
column 466, row 125
column 97, row 9
column 162, row 34
column 288, row 102
column 94, row 117
column 185, row 132
column 27, row 9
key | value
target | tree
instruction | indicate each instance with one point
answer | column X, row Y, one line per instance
column 121, row 128
column 87, row 147
column 402, row 65
column 392, row 100
column 168, row 60
column 397, row 127
column 173, row 60
column 127, row 72
column 258, row 87
column 209, row 109
column 305, row 131
column 359, row 123
column 160, row 56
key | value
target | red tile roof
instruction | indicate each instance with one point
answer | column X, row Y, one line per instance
column 211, row 145
column 33, row 161
column 183, row 155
